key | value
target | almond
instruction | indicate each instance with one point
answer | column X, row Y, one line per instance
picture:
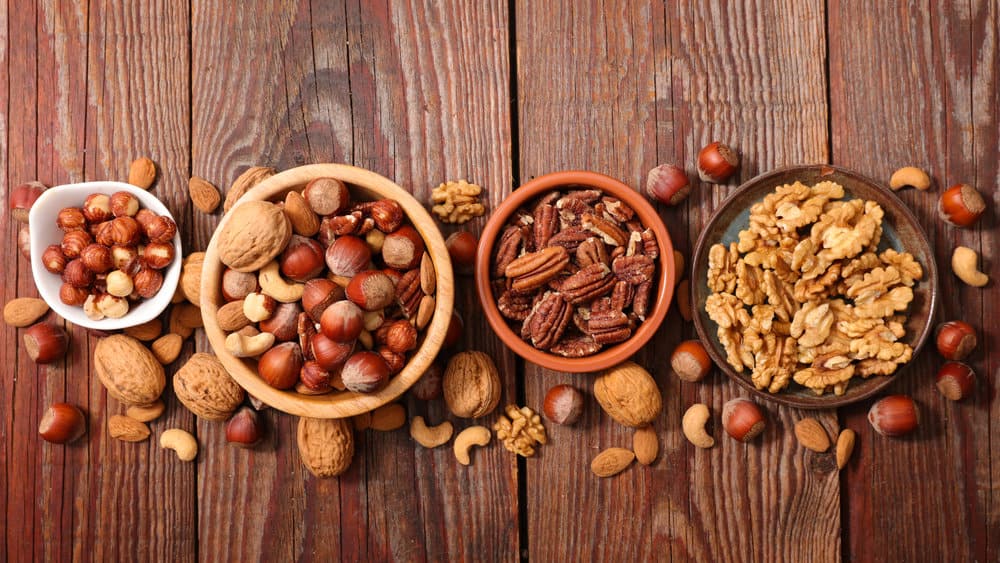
column 812, row 435
column 203, row 194
column 646, row 445
column 146, row 413
column 845, row 446
column 231, row 317
column 611, row 461
column 146, row 331
column 24, row 311
column 142, row 173
column 127, row 429
column 428, row 276
column 189, row 315
column 167, row 347
column 304, row 220
column 388, row 417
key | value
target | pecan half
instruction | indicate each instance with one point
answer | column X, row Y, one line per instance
column 535, row 268
column 607, row 230
column 586, row 196
column 547, row 320
column 344, row 224
column 633, row 269
column 617, row 210
column 514, row 306
column 571, row 211
column 408, row 292
column 649, row 246
column 576, row 347
column 508, row 248
column 591, row 251
column 640, row 303
column 609, row 327
column 622, row 295
column 588, row 284
column 546, row 224
column 570, row 238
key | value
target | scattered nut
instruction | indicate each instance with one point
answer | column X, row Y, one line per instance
column 955, row 340
column 167, row 347
column 964, row 264
column 955, row 381
column 690, row 361
column 742, row 419
column 894, row 415
column 62, row 423
column 203, row 194
column 812, row 435
column 128, row 370
column 146, row 413
column 521, row 430
column 205, row 387
column 471, row 436
column 146, row 331
column 326, row 445
column 142, row 173
column 845, row 446
column 611, row 462
column 24, row 311
column 628, row 393
column 471, row 385
column 563, row 404
column 646, row 445
column 457, row 202
column 430, row 436
column 388, row 417
column 909, row 176
column 693, row 426
column 668, row 184
column 127, row 429
column 181, row 441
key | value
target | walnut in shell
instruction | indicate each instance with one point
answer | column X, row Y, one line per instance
column 206, row 389
column 128, row 370
column 326, row 445
column 629, row 394
column 256, row 232
column 471, row 385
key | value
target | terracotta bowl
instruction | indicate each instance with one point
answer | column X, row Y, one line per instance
column 612, row 355
column 901, row 231
column 367, row 185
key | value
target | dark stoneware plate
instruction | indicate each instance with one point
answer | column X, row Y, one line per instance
column 901, row 231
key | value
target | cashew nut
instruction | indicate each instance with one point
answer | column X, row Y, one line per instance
column 430, row 436
column 243, row 346
column 693, row 425
column 271, row 283
column 181, row 441
column 909, row 176
column 963, row 263
column 471, row 436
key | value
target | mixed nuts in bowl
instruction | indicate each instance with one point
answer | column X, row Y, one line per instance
column 327, row 291
column 575, row 271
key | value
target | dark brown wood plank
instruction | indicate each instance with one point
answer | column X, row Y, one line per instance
column 942, row 121
column 601, row 85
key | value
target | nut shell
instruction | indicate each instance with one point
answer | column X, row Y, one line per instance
column 206, row 389
column 128, row 370
column 256, row 232
column 326, row 446
column 629, row 394
column 471, row 385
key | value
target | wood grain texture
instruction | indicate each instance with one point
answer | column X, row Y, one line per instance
column 932, row 123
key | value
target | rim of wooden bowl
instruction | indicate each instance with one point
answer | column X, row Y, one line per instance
column 857, row 390
column 340, row 404
column 613, row 355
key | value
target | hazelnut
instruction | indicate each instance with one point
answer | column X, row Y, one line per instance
column 125, row 258
column 401, row 337
column 462, row 246
column 125, row 231
column 103, row 233
column 372, row 320
column 97, row 208
column 161, row 229
column 371, row 290
column 329, row 354
column 302, row 259
column 318, row 294
column 90, row 308
column 53, row 259
column 690, row 361
column 375, row 239
column 403, row 248
column 147, row 282
column 961, row 205
column 73, row 296
column 280, row 365
column 245, row 428
column 455, row 329
column 71, row 219
column 955, row 380
column 24, row 242
column 342, row 321
column 237, row 285
column 394, row 360
column 315, row 378
column 894, row 415
column 258, row 307
column 365, row 372
column 144, row 217
column 742, row 419
column 717, row 162
column 97, row 258
column 124, row 204
column 668, row 184
column 119, row 284
column 74, row 242
column 429, row 386
column 158, row 255
column 283, row 323
column 111, row 306
column 45, row 343
column 387, row 215
column 327, row 196
column 563, row 404
column 347, row 256
column 77, row 274
column 956, row 340
column 22, row 198
column 62, row 423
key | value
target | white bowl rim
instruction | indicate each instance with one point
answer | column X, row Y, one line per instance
column 48, row 283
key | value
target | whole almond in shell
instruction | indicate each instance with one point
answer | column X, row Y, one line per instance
column 611, row 461
column 326, row 445
column 304, row 220
column 388, row 417
column 646, row 445
column 142, row 173
column 231, row 317
column 206, row 388
column 203, row 194
column 254, row 234
column 128, row 370
column 248, row 179
column 167, row 347
column 127, row 429
column 471, row 385
column 845, row 447
column 629, row 394
column 24, row 311
column 812, row 435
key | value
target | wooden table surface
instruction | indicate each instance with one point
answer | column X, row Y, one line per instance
column 423, row 91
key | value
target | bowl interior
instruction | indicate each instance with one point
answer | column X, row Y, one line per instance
column 42, row 220
column 663, row 293
column 363, row 185
column 901, row 231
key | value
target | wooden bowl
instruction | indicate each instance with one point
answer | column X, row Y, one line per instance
column 612, row 355
column 901, row 231
column 368, row 185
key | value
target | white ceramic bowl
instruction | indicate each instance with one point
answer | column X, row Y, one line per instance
column 44, row 232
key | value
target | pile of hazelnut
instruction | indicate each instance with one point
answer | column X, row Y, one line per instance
column 112, row 254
